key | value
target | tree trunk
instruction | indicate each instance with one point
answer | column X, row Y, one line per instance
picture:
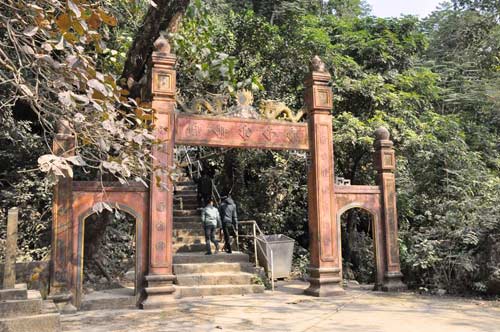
column 165, row 16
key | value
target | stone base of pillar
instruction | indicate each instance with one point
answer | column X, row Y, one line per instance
column 393, row 282
column 159, row 292
column 63, row 302
column 324, row 282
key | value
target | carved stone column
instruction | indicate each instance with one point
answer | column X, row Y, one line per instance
column 160, row 277
column 385, row 163
column 325, row 270
column 9, row 268
column 60, row 288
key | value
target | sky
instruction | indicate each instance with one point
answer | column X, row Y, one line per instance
column 394, row 8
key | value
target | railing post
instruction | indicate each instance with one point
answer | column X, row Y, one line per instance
column 385, row 163
column 325, row 269
column 255, row 244
column 160, row 276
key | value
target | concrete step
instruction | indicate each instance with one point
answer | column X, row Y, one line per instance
column 241, row 278
column 183, row 213
column 200, row 268
column 195, row 218
column 200, row 257
column 195, row 291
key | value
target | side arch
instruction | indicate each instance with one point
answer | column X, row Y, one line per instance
column 369, row 205
column 132, row 203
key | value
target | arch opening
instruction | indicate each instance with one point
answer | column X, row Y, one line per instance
column 110, row 255
column 358, row 243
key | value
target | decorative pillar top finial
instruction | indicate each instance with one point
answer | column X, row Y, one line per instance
column 162, row 45
column 382, row 134
column 317, row 65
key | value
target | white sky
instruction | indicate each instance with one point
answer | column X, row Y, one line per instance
column 394, row 8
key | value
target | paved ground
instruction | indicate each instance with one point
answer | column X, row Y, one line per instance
column 287, row 310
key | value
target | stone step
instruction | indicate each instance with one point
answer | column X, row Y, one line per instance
column 182, row 233
column 200, row 257
column 49, row 322
column 195, row 291
column 193, row 187
column 183, row 213
column 199, row 268
column 120, row 298
column 190, row 239
column 185, row 183
column 194, row 218
column 188, row 225
column 185, row 206
column 15, row 308
column 241, row 278
column 186, row 193
column 190, row 247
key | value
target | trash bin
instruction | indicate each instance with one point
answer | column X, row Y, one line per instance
column 282, row 249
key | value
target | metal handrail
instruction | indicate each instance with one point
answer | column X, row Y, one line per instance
column 255, row 228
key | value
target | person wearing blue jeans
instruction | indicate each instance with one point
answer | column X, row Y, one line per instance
column 210, row 218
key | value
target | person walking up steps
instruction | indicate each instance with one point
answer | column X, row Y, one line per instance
column 210, row 218
column 229, row 221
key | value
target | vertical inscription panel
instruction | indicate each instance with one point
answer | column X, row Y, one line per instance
column 324, row 173
column 390, row 220
column 161, row 194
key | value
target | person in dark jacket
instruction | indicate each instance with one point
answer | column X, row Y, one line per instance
column 229, row 219
column 204, row 188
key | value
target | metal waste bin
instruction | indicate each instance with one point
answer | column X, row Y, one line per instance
column 282, row 249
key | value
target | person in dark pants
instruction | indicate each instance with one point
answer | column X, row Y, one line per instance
column 229, row 219
column 210, row 218
column 204, row 188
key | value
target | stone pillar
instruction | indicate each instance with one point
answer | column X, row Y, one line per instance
column 60, row 288
column 385, row 163
column 160, row 276
column 9, row 270
column 325, row 270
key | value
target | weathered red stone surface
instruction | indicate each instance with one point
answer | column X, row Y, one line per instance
column 59, row 287
column 367, row 198
column 325, row 270
column 160, row 275
column 153, row 208
column 131, row 198
column 240, row 133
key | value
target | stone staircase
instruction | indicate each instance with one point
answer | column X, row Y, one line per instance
column 199, row 274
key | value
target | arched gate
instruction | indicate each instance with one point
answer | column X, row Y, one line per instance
column 154, row 206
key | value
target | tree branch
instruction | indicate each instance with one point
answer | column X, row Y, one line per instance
column 165, row 16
